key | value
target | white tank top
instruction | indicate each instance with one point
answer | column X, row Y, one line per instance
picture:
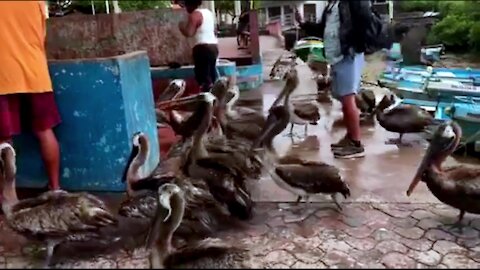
column 206, row 32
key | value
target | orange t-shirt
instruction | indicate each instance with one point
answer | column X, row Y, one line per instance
column 23, row 61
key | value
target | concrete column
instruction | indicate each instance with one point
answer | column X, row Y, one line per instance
column 116, row 7
column 238, row 7
column 299, row 7
column 210, row 5
column 390, row 10
column 107, row 6
column 282, row 16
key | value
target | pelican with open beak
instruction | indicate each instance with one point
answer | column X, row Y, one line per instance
column 457, row 186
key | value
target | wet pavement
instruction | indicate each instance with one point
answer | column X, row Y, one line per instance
column 379, row 225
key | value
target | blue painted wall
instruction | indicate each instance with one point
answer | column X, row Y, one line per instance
column 103, row 102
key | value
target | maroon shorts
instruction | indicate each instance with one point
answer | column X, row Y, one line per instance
column 27, row 112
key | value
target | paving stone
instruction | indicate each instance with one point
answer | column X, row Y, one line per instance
column 418, row 245
column 359, row 232
column 428, row 223
column 276, row 222
column 280, row 256
column 475, row 224
column 468, row 243
column 429, row 258
column 391, row 246
column 466, row 233
column 258, row 230
column 332, row 244
column 309, row 257
column 406, row 223
column 455, row 260
column 475, row 255
column 99, row 263
column 436, row 234
column 20, row 262
column 302, row 265
column 382, row 234
column 398, row 260
column 134, row 264
column 410, row 233
column 326, row 212
column 422, row 214
column 361, row 244
column 443, row 247
column 391, row 211
column 339, row 259
column 277, row 266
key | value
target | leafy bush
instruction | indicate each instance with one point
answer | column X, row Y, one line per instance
column 453, row 31
column 459, row 27
column 474, row 36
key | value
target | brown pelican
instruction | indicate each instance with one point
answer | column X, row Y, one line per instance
column 207, row 253
column 53, row 217
column 175, row 89
column 300, row 113
column 224, row 174
column 402, row 118
column 204, row 215
column 300, row 177
column 457, row 186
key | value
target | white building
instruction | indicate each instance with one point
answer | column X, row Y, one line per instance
column 283, row 11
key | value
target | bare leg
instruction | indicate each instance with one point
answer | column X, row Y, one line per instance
column 351, row 117
column 458, row 225
column 306, row 130
column 50, row 152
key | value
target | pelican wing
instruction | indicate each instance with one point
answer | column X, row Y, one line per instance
column 205, row 248
column 61, row 215
column 466, row 180
column 311, row 177
column 140, row 206
column 307, row 111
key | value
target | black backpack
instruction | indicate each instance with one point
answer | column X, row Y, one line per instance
column 377, row 36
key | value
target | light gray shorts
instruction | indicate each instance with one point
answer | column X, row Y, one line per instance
column 347, row 75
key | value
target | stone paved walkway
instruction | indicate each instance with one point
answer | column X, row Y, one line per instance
column 361, row 236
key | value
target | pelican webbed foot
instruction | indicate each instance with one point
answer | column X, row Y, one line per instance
column 398, row 142
column 307, row 211
column 290, row 206
column 50, row 250
column 337, row 203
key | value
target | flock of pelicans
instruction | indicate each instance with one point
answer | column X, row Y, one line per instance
column 203, row 184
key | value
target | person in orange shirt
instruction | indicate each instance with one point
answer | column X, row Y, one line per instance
column 27, row 101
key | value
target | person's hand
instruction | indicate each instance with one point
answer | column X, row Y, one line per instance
column 298, row 17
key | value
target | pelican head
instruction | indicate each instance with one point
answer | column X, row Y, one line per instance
column 444, row 142
column 169, row 214
column 8, row 168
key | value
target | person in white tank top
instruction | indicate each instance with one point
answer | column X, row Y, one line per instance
column 200, row 26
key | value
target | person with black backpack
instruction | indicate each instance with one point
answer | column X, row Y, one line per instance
column 347, row 28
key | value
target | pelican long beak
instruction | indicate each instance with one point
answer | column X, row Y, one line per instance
column 164, row 201
column 444, row 139
column 269, row 125
column 163, row 213
column 179, row 104
column 423, row 166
